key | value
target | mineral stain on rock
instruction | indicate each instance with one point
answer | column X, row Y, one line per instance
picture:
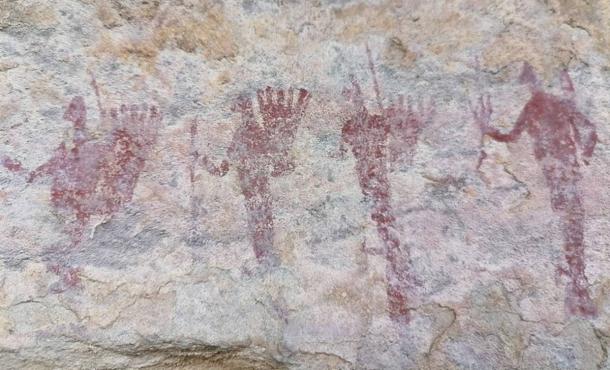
column 259, row 152
column 97, row 177
column 557, row 128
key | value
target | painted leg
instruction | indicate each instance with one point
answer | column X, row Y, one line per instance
column 398, row 280
column 578, row 299
column 566, row 200
column 260, row 217
column 397, row 265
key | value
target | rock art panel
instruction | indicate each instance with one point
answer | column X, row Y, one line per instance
column 381, row 228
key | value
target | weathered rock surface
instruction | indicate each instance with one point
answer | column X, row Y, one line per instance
column 162, row 208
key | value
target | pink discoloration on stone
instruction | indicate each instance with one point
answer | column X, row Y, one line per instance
column 259, row 152
column 97, row 177
column 557, row 129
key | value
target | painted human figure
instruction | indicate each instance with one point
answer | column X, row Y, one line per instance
column 97, row 177
column 259, row 152
column 557, row 129
column 368, row 136
column 75, row 171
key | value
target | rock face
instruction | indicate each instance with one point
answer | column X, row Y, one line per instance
column 410, row 184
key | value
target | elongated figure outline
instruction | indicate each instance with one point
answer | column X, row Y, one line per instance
column 378, row 142
column 558, row 129
column 259, row 151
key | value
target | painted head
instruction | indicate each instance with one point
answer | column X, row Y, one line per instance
column 76, row 112
column 353, row 94
column 528, row 76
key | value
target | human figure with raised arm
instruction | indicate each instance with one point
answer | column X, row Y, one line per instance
column 96, row 177
column 380, row 143
column 258, row 152
column 75, row 171
column 367, row 136
column 558, row 129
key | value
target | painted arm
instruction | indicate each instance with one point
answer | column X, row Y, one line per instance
column 585, row 133
column 482, row 115
column 50, row 165
column 43, row 169
column 512, row 135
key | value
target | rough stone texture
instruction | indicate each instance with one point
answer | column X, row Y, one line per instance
column 203, row 228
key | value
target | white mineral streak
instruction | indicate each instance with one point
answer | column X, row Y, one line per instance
column 202, row 233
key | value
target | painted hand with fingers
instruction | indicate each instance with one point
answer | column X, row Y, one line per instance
column 281, row 112
column 258, row 152
column 405, row 124
column 482, row 113
column 482, row 116
column 280, row 104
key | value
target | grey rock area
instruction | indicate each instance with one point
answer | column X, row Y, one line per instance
column 161, row 208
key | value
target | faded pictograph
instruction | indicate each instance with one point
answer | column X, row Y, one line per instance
column 379, row 142
column 93, row 177
column 558, row 130
column 259, row 152
column 196, row 207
